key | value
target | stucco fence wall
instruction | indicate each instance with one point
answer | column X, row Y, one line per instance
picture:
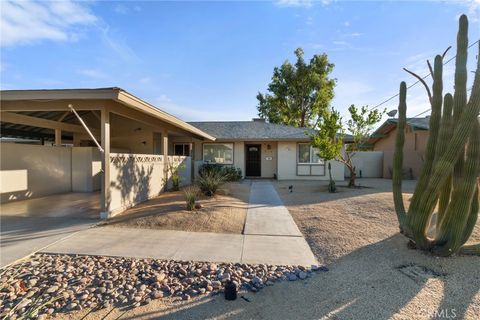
column 368, row 164
column 31, row 171
column 135, row 178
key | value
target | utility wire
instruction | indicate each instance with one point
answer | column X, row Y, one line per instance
column 431, row 109
column 418, row 81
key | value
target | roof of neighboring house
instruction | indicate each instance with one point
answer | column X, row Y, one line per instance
column 391, row 124
column 95, row 94
column 256, row 130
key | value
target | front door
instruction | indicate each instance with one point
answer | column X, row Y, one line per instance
column 253, row 160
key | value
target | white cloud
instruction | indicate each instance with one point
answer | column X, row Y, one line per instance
column 24, row 22
column 346, row 24
column 93, row 73
column 294, row 3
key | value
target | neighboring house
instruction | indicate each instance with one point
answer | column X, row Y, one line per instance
column 416, row 136
column 260, row 149
column 46, row 150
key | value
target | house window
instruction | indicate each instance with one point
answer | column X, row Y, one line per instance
column 307, row 154
column 181, row 149
column 308, row 161
column 218, row 153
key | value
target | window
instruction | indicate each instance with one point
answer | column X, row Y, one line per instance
column 181, row 149
column 218, row 153
column 308, row 154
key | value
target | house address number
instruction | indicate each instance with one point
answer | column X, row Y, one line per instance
column 268, row 158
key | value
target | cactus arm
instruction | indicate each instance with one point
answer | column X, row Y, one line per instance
column 418, row 221
column 455, row 223
column 398, row 159
column 460, row 96
column 472, row 218
column 446, row 128
column 461, row 133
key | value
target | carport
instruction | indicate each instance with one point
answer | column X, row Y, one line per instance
column 52, row 170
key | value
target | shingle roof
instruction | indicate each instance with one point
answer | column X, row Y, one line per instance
column 390, row 124
column 252, row 130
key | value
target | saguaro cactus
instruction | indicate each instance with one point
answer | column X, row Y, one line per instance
column 447, row 192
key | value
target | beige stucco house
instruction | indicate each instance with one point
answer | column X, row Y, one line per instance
column 416, row 136
column 117, row 147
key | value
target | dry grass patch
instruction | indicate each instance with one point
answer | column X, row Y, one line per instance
column 223, row 213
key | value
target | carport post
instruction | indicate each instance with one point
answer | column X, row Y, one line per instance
column 105, row 137
column 165, row 156
column 58, row 137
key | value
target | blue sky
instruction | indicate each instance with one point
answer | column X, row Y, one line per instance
column 207, row 60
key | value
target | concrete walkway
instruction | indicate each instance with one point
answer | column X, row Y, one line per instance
column 266, row 214
column 271, row 236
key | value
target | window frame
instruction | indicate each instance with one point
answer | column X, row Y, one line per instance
column 183, row 144
column 310, row 164
column 219, row 143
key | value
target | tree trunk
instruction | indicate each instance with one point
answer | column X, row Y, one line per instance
column 353, row 175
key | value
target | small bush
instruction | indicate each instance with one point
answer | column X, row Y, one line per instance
column 229, row 173
column 191, row 195
column 209, row 181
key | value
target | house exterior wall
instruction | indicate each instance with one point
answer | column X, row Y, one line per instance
column 370, row 163
column 413, row 151
column 86, row 169
column 287, row 165
column 29, row 171
column 135, row 178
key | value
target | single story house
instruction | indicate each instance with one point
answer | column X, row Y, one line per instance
column 416, row 136
column 119, row 148
column 260, row 150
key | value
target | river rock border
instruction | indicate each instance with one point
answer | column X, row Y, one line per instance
column 48, row 284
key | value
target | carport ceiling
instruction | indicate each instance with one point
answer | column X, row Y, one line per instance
column 13, row 130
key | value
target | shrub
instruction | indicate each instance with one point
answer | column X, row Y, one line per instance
column 210, row 180
column 173, row 169
column 229, row 173
column 191, row 195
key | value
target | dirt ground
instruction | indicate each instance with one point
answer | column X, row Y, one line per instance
column 372, row 274
column 223, row 213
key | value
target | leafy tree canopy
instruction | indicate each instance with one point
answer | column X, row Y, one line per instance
column 328, row 139
column 299, row 93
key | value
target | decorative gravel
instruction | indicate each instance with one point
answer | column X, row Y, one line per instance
column 48, row 284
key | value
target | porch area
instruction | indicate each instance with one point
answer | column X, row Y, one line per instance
column 103, row 142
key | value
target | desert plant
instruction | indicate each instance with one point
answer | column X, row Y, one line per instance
column 449, row 175
column 173, row 172
column 229, row 173
column 209, row 181
column 191, row 195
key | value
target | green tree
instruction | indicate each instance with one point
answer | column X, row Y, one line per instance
column 298, row 93
column 329, row 137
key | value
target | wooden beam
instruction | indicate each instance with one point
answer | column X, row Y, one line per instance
column 96, row 115
column 63, row 116
column 139, row 116
column 42, row 123
column 55, row 105
column 58, row 137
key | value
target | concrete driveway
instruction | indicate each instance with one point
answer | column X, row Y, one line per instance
column 30, row 225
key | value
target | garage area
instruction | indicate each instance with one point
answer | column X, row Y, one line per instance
column 72, row 157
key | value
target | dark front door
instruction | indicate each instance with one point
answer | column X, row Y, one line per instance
column 253, row 160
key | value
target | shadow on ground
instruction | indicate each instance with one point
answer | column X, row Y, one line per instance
column 379, row 281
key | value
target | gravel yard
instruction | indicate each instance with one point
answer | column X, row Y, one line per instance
column 52, row 284
column 223, row 213
column 371, row 272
